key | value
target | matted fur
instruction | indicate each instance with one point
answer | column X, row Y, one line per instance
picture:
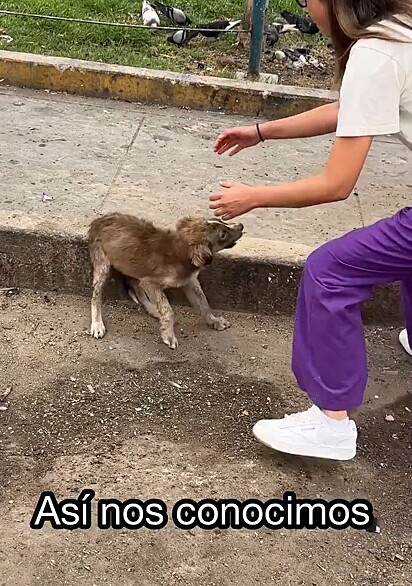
column 153, row 259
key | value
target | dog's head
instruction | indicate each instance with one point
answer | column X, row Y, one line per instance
column 207, row 237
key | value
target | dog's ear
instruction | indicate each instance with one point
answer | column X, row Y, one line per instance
column 201, row 255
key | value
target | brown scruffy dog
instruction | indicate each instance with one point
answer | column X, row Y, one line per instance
column 152, row 259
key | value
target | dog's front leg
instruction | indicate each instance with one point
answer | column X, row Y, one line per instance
column 166, row 317
column 196, row 297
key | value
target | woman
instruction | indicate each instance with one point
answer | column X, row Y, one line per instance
column 373, row 46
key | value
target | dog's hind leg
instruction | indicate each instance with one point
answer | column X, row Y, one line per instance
column 196, row 297
column 166, row 317
column 139, row 296
column 101, row 271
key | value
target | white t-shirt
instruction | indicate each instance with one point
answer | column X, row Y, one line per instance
column 376, row 92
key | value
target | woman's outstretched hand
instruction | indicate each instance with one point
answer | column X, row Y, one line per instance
column 235, row 200
column 236, row 139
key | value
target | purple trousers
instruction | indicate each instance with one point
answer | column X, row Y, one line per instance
column 329, row 351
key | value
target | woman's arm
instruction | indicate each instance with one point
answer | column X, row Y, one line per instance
column 335, row 183
column 322, row 120
column 316, row 122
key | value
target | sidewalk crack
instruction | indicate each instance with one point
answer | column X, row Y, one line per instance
column 122, row 162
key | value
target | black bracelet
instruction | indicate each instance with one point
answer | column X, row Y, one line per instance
column 258, row 131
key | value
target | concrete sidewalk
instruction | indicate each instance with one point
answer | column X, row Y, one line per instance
column 94, row 156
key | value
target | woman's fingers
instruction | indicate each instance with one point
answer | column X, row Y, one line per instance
column 227, row 145
column 226, row 141
column 222, row 139
column 236, row 150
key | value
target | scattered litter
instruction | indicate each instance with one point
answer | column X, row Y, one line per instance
column 3, row 407
column 373, row 527
column 61, row 159
column 321, row 567
column 376, row 396
column 395, row 436
column 6, row 38
column 407, row 409
column 175, row 384
column 9, row 290
column 73, row 379
column 6, row 393
column 90, row 388
column 18, row 104
column 46, row 197
column 244, row 413
column 399, row 557
column 390, row 418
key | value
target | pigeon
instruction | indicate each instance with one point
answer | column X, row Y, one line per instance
column 303, row 23
column 282, row 28
column 217, row 27
column 149, row 15
column 182, row 37
column 175, row 15
column 275, row 29
column 292, row 58
column 272, row 35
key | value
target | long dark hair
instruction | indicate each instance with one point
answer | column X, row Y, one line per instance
column 350, row 21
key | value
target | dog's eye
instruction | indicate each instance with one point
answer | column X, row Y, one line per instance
column 223, row 234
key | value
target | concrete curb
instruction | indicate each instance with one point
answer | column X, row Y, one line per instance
column 158, row 87
column 257, row 276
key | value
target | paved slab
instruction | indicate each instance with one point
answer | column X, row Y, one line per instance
column 94, row 156
column 130, row 419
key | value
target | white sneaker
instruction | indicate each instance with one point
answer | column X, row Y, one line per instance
column 309, row 433
column 403, row 339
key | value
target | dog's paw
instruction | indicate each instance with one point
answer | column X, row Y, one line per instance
column 220, row 323
column 170, row 340
column 97, row 330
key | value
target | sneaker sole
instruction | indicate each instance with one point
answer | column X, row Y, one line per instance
column 324, row 452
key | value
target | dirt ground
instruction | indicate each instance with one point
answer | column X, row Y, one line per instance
column 129, row 418
column 320, row 75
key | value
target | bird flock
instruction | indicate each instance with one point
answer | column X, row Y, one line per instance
column 150, row 16
column 294, row 58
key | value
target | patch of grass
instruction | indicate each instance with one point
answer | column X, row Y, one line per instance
column 134, row 47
